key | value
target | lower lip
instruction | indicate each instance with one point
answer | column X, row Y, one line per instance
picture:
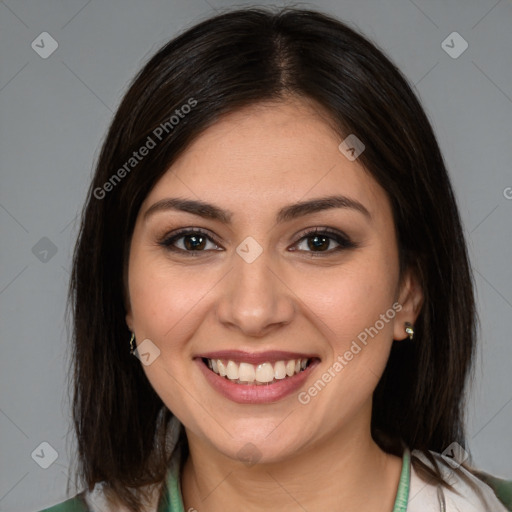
column 256, row 394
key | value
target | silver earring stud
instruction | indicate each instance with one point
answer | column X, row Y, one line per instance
column 132, row 347
column 409, row 329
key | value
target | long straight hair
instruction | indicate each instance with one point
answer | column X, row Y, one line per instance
column 235, row 59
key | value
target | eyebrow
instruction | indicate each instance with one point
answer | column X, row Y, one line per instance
column 285, row 214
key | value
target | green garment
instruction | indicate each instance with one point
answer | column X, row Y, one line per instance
column 502, row 488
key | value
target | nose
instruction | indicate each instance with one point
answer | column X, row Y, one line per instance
column 256, row 298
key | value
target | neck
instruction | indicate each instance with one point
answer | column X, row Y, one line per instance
column 344, row 471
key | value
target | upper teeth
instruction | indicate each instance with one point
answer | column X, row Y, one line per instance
column 264, row 372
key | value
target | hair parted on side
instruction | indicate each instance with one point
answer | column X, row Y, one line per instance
column 236, row 59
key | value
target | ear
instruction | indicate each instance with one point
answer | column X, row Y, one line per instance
column 410, row 297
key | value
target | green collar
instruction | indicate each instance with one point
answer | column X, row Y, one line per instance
column 402, row 494
column 173, row 501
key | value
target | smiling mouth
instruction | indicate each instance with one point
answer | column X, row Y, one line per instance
column 257, row 374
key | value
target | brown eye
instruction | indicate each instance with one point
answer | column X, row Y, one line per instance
column 320, row 241
column 194, row 242
column 189, row 241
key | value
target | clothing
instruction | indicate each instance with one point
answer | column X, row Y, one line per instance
column 432, row 498
column 413, row 493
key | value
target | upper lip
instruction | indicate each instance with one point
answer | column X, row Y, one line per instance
column 240, row 356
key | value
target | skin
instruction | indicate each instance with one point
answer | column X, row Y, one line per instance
column 253, row 162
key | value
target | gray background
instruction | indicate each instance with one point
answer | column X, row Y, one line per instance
column 55, row 112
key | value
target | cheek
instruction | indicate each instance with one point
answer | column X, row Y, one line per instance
column 164, row 297
column 349, row 299
column 355, row 315
column 352, row 306
column 165, row 300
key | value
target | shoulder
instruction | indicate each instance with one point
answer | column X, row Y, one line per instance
column 96, row 500
column 470, row 494
column 85, row 501
column 75, row 504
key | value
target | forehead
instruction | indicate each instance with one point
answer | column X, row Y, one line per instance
column 267, row 155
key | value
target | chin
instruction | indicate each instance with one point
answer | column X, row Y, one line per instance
column 259, row 449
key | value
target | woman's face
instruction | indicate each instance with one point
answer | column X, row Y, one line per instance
column 256, row 292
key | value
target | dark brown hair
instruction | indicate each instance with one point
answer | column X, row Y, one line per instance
column 233, row 60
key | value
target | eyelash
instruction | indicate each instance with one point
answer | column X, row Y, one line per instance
column 341, row 239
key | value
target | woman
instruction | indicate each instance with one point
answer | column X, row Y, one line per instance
column 272, row 233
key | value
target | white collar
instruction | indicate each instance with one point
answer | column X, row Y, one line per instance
column 425, row 497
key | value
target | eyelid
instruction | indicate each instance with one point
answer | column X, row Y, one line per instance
column 181, row 232
column 344, row 241
column 320, row 230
